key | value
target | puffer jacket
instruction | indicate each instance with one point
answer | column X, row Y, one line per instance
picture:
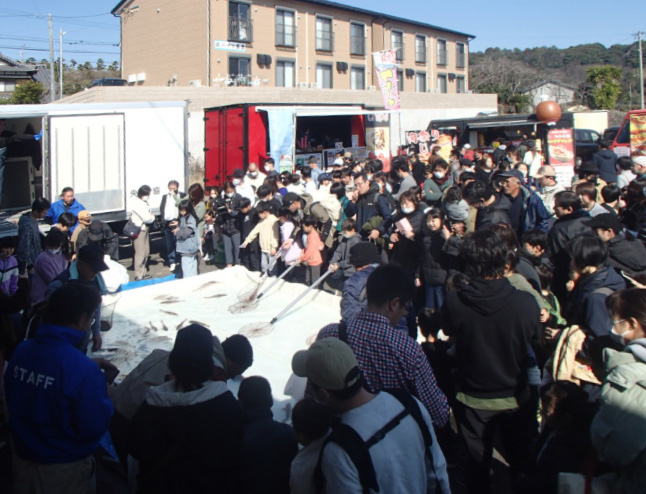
column 617, row 429
column 188, row 243
column 536, row 216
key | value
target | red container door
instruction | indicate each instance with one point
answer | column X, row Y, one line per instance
column 213, row 147
column 234, row 140
column 257, row 138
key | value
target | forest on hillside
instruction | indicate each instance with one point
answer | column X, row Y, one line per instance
column 604, row 77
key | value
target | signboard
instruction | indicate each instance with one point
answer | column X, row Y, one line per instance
column 560, row 143
column 425, row 141
column 386, row 67
column 229, row 46
column 378, row 137
column 638, row 135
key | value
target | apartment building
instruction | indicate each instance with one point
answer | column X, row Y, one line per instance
column 283, row 43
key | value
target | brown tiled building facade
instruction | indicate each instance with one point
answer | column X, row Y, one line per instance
column 283, row 43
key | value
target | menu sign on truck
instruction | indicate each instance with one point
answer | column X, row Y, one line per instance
column 560, row 143
column 638, row 134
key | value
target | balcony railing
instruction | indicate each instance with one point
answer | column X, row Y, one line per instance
column 442, row 57
column 325, row 42
column 240, row 29
column 420, row 56
column 460, row 61
column 285, row 35
column 357, row 45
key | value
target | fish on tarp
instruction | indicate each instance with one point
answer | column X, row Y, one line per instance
column 217, row 295
column 180, row 324
column 169, row 312
column 164, row 327
column 171, row 301
column 206, row 284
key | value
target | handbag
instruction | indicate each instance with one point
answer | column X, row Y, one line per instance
column 131, row 230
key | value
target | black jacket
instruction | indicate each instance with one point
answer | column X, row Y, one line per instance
column 628, row 254
column 109, row 243
column 406, row 252
column 373, row 204
column 269, row 448
column 498, row 212
column 494, row 326
column 230, row 221
column 607, row 161
column 434, row 259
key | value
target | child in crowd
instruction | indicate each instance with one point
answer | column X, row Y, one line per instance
column 269, row 446
column 188, row 242
column 311, row 423
column 340, row 261
column 249, row 257
column 555, row 322
column 434, row 261
column 312, row 253
column 293, row 254
column 533, row 248
column 49, row 264
column 65, row 222
column 267, row 230
column 8, row 266
column 209, row 240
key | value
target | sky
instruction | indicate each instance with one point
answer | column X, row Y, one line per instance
column 92, row 32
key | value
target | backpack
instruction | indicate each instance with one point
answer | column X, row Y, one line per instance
column 359, row 450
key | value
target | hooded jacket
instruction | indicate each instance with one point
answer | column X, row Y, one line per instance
column 617, row 429
column 373, row 204
column 494, row 326
column 607, row 161
column 57, row 398
column 628, row 254
column 498, row 212
column 188, row 441
column 535, row 215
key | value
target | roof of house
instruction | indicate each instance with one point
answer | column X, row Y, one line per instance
column 549, row 81
column 348, row 8
column 11, row 69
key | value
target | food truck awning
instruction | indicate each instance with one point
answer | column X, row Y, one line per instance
column 502, row 123
column 322, row 111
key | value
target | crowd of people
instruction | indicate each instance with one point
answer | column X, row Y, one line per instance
column 528, row 296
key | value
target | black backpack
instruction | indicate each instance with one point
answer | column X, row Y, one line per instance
column 359, row 450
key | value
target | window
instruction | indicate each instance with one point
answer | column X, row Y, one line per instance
column 400, row 79
column 420, row 82
column 460, row 55
column 441, row 83
column 324, row 75
column 462, row 84
column 239, row 67
column 397, row 43
column 420, row 49
column 285, row 28
column 441, row 52
column 357, row 78
column 285, row 73
column 324, row 38
column 240, row 28
column 357, row 39
column 7, row 86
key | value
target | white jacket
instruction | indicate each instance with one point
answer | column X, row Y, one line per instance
column 140, row 214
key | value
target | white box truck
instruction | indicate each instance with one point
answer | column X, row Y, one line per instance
column 105, row 151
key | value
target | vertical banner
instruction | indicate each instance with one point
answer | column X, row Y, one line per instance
column 638, row 135
column 281, row 138
column 560, row 143
column 386, row 67
column 378, row 137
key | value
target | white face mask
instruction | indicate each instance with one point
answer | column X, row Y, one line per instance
column 55, row 251
column 236, row 181
column 253, row 174
column 145, row 198
column 230, row 194
column 438, row 174
column 347, row 235
column 621, row 335
column 407, row 210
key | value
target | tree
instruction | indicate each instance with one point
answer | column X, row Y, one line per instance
column 606, row 86
column 100, row 64
column 28, row 92
column 114, row 66
column 73, row 63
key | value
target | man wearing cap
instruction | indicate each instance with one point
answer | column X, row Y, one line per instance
column 549, row 188
column 57, row 399
column 84, row 219
column 625, row 252
column 396, row 431
column 639, row 165
column 86, row 270
column 389, row 358
column 527, row 211
column 242, row 188
column 100, row 233
column 305, row 205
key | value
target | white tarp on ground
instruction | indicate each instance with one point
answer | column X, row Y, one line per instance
column 131, row 337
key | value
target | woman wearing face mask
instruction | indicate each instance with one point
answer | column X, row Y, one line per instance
column 141, row 216
column 196, row 195
column 437, row 181
column 617, row 429
column 49, row 264
column 406, row 236
column 230, row 221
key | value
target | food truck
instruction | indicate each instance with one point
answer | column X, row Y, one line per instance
column 631, row 138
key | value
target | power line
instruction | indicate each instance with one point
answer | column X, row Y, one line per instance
column 71, row 42
column 67, row 51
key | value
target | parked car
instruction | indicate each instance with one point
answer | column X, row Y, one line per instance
column 609, row 134
column 587, row 143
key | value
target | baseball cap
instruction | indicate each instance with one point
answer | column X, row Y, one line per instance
column 237, row 174
column 364, row 253
column 92, row 254
column 290, row 197
column 323, row 177
column 84, row 215
column 95, row 231
column 639, row 160
column 512, row 174
column 329, row 364
column 467, row 146
column 607, row 221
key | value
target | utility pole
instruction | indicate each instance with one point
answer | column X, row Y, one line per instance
column 641, row 69
column 52, row 87
column 60, row 66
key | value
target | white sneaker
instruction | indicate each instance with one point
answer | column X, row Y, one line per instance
column 206, row 257
column 172, row 267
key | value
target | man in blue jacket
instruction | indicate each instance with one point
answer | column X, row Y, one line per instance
column 66, row 204
column 57, row 398
column 527, row 210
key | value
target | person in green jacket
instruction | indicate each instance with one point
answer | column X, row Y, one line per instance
column 437, row 181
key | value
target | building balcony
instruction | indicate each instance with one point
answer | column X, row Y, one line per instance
column 240, row 29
